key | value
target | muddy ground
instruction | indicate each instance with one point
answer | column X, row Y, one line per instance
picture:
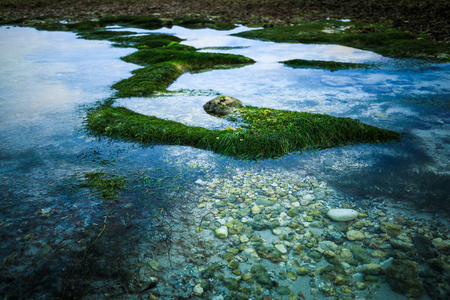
column 427, row 17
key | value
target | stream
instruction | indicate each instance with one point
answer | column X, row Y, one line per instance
column 60, row 239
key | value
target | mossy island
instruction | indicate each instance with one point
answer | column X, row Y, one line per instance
column 259, row 132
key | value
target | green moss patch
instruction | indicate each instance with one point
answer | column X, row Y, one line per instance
column 148, row 41
column 265, row 133
column 327, row 65
column 379, row 38
column 149, row 80
column 163, row 66
column 144, row 22
column 106, row 185
column 102, row 34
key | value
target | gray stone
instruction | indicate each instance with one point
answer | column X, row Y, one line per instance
column 283, row 290
column 261, row 276
column 222, row 232
column 360, row 254
column 222, row 105
column 390, row 228
column 342, row 214
column 354, row 235
column 372, row 269
column 399, row 244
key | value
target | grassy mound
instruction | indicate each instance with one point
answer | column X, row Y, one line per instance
column 327, row 65
column 265, row 133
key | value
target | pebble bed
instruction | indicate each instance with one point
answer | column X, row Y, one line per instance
column 268, row 236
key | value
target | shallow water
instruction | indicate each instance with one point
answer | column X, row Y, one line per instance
column 49, row 79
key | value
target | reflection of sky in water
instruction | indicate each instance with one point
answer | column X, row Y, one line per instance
column 46, row 76
column 386, row 96
column 185, row 109
column 42, row 75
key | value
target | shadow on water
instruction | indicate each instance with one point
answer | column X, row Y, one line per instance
column 405, row 178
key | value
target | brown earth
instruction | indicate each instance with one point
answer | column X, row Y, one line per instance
column 428, row 17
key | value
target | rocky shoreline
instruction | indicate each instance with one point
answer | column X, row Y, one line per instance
column 263, row 236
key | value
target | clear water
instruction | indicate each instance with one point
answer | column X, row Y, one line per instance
column 49, row 79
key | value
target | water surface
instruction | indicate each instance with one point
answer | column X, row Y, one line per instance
column 49, row 79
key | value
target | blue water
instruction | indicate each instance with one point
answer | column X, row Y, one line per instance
column 49, row 79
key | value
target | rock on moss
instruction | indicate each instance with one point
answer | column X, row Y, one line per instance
column 403, row 278
column 222, row 105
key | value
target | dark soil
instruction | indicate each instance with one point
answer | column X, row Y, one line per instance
column 427, row 17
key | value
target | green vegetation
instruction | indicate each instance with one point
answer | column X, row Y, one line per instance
column 149, row 41
column 327, row 65
column 163, row 65
column 375, row 37
column 144, row 22
column 106, row 186
column 266, row 133
column 102, row 34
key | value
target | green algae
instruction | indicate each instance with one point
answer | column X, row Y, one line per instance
column 266, row 133
column 165, row 65
column 106, row 185
column 380, row 38
column 102, row 34
column 327, row 65
column 149, row 41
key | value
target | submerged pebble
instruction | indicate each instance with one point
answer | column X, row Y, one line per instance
column 342, row 214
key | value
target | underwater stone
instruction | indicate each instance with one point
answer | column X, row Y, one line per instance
column 231, row 283
column 281, row 248
column 256, row 210
column 372, row 269
column 221, row 232
column 331, row 258
column 403, row 278
column 390, row 228
column 198, row 290
column 302, row 271
column 360, row 254
column 314, row 254
column 360, row 285
column 155, row 265
column 293, row 212
column 399, row 244
column 440, row 244
column 354, row 235
column 269, row 253
column 342, row 214
column 283, row 290
column 261, row 276
column 222, row 105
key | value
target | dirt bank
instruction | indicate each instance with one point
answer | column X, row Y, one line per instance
column 428, row 17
